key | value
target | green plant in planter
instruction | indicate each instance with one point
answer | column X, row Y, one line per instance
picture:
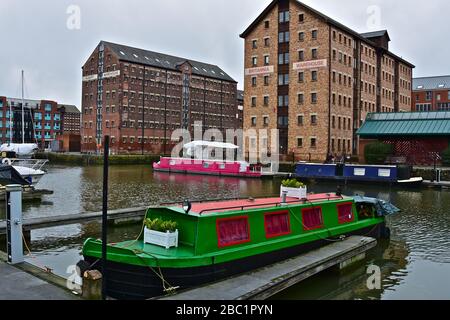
column 160, row 225
column 292, row 183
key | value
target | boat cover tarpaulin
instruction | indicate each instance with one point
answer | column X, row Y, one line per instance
column 9, row 175
column 383, row 208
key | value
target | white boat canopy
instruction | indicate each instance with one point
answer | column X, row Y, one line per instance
column 21, row 149
column 209, row 144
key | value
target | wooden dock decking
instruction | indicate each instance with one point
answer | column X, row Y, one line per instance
column 28, row 194
column 437, row 185
column 55, row 221
column 263, row 283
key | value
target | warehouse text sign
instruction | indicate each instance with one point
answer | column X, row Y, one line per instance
column 260, row 70
column 310, row 64
column 111, row 74
column 90, row 78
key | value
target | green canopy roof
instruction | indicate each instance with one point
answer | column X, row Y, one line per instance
column 411, row 124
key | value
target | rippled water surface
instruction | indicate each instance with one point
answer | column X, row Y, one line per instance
column 415, row 263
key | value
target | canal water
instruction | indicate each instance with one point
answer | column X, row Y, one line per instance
column 414, row 264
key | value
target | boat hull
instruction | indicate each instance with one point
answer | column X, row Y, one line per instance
column 130, row 282
column 349, row 173
column 412, row 183
column 211, row 173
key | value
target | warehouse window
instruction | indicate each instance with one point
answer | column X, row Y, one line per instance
column 277, row 224
column 312, row 218
column 232, row 231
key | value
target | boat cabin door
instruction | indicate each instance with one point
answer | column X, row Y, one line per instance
column 340, row 170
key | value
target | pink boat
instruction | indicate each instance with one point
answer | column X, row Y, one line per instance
column 207, row 166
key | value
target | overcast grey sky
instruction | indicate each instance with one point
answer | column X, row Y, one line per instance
column 35, row 36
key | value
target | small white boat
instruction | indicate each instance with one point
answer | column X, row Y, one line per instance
column 31, row 170
column 31, row 175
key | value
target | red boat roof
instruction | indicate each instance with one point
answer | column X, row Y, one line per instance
column 232, row 205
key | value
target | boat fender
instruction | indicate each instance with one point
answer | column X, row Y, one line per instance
column 7, row 161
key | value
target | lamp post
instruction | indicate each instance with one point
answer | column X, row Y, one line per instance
column 105, row 219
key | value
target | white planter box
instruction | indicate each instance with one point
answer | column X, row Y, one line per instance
column 299, row 193
column 166, row 240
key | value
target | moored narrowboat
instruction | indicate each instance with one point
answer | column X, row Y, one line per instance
column 385, row 174
column 218, row 239
column 197, row 161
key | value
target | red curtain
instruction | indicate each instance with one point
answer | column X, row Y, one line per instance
column 233, row 231
column 345, row 213
column 277, row 224
column 312, row 218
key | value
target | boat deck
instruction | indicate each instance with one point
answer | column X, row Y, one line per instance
column 142, row 249
column 233, row 205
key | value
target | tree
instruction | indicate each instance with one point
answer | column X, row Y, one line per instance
column 446, row 157
column 377, row 152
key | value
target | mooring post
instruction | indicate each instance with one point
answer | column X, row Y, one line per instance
column 105, row 219
column 14, row 224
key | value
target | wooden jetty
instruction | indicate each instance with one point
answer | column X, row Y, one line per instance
column 28, row 194
column 264, row 283
column 437, row 185
column 116, row 216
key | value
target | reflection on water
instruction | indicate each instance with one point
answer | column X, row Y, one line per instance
column 414, row 264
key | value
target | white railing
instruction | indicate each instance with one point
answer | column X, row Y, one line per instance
column 35, row 164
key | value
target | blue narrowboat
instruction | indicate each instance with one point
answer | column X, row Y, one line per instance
column 388, row 174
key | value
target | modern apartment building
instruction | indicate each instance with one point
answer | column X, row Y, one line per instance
column 315, row 80
column 431, row 94
column 140, row 97
column 44, row 121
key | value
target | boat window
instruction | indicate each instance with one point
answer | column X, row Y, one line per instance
column 277, row 224
column 361, row 172
column 312, row 218
column 365, row 211
column 233, row 231
column 222, row 166
column 205, row 165
column 345, row 212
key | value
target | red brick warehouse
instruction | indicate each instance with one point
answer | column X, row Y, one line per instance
column 431, row 94
column 139, row 98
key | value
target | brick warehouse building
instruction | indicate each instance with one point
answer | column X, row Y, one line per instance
column 431, row 94
column 315, row 79
column 45, row 120
column 139, row 98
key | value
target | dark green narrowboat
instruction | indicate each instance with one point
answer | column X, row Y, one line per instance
column 219, row 239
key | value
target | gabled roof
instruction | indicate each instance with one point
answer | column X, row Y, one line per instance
column 376, row 34
column 240, row 95
column 416, row 124
column 431, row 83
column 327, row 19
column 160, row 60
